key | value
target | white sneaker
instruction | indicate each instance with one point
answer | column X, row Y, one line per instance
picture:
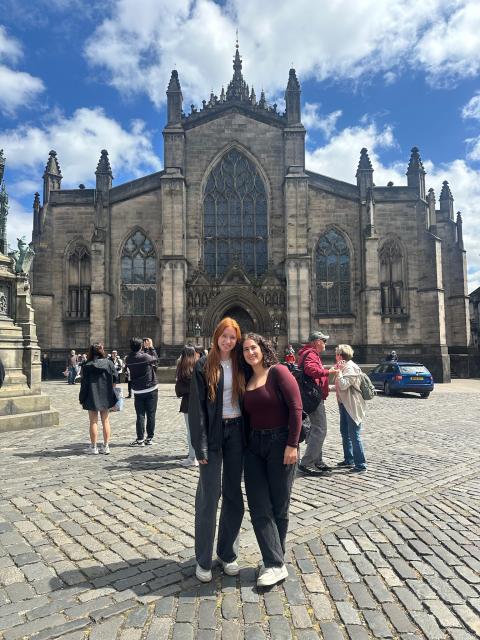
column 271, row 575
column 204, row 575
column 189, row 462
column 229, row 568
column 106, row 449
column 93, row 449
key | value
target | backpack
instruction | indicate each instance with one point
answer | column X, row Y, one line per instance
column 306, row 425
column 310, row 392
column 367, row 389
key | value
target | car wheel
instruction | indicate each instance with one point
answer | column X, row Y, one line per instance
column 386, row 389
column 425, row 394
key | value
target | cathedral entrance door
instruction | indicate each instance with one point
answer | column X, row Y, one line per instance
column 242, row 316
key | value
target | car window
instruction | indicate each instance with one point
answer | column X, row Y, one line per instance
column 412, row 369
column 377, row 369
column 390, row 368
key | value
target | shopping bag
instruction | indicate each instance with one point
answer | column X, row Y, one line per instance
column 118, row 406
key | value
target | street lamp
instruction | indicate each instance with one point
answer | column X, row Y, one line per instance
column 276, row 333
column 198, row 331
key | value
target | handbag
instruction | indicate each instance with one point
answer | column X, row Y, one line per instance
column 118, row 406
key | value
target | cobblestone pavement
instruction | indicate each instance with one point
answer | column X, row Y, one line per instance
column 101, row 547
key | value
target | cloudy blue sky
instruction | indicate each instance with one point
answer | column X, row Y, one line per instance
column 79, row 76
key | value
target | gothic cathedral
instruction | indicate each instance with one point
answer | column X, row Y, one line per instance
column 236, row 225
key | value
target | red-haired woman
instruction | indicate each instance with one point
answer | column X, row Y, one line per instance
column 216, row 431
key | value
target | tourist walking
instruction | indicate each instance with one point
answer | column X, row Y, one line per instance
column 351, row 406
column 117, row 362
column 273, row 412
column 142, row 367
column 309, row 359
column 72, row 367
column 183, row 378
column 96, row 394
column 216, row 430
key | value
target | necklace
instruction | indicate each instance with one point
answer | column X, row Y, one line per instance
column 227, row 364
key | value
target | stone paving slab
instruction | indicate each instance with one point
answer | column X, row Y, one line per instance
column 102, row 546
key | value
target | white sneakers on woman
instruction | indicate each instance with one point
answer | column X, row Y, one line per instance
column 204, row 575
column 229, row 569
column 269, row 576
column 189, row 462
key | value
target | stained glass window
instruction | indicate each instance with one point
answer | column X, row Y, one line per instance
column 79, row 283
column 235, row 217
column 392, row 279
column 332, row 268
column 139, row 276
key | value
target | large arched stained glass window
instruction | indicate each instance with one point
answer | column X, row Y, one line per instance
column 139, row 276
column 332, row 267
column 235, row 217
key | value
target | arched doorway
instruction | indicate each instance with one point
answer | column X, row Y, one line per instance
column 242, row 316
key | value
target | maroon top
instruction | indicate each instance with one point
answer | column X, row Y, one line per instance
column 276, row 404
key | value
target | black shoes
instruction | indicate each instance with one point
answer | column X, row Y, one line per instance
column 357, row 470
column 148, row 441
column 310, row 471
column 323, row 467
column 343, row 463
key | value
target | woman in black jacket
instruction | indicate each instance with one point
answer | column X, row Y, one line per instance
column 99, row 377
column 183, row 378
column 216, row 430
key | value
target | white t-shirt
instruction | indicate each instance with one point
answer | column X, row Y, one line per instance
column 230, row 410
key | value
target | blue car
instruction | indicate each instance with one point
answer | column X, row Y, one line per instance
column 393, row 377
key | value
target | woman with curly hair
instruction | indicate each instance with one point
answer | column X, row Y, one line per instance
column 216, row 430
column 273, row 408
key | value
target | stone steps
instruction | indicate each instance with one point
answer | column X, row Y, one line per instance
column 24, row 404
column 29, row 420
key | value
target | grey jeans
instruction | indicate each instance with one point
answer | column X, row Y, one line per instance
column 316, row 438
column 214, row 479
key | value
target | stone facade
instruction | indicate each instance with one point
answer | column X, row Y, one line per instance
column 168, row 255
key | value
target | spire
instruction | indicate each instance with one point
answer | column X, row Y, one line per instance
column 3, row 207
column 104, row 172
column 416, row 173
column 292, row 99
column 52, row 167
column 446, row 202
column 237, row 88
column 2, row 165
column 103, row 166
column 364, row 163
column 459, row 230
column 415, row 164
column 52, row 176
column 262, row 103
column 432, row 215
column 364, row 174
column 174, row 100
column 36, row 202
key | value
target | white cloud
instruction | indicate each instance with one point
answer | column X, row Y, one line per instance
column 313, row 119
column 339, row 158
column 472, row 108
column 450, row 48
column 10, row 48
column 78, row 141
column 346, row 39
column 19, row 223
column 18, row 88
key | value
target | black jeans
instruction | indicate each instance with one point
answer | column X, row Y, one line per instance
column 268, row 484
column 212, row 481
column 146, row 404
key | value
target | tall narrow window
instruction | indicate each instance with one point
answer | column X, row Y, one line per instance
column 392, row 278
column 332, row 268
column 139, row 276
column 79, row 283
column 235, row 217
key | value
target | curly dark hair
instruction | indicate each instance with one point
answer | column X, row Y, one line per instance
column 269, row 355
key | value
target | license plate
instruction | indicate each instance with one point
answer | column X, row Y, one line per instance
column 416, row 378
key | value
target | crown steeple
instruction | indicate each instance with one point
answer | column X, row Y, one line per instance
column 237, row 88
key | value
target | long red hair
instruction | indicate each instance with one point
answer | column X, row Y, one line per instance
column 212, row 366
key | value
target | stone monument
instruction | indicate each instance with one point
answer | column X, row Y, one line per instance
column 22, row 405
